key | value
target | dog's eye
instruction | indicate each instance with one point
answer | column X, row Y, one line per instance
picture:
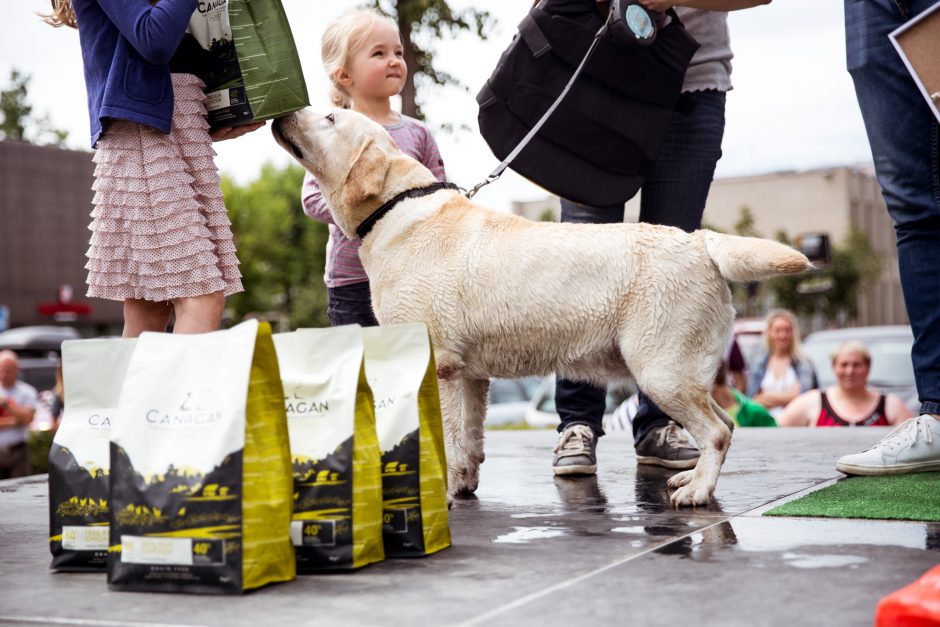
column 331, row 118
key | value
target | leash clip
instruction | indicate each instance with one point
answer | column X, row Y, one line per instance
column 473, row 190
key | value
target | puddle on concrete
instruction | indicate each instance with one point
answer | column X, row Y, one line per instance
column 523, row 535
column 787, row 536
column 801, row 560
column 629, row 530
column 774, row 534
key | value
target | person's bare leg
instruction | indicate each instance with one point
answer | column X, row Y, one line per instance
column 199, row 314
column 145, row 315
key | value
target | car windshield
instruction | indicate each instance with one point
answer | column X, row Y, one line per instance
column 41, row 378
column 513, row 390
column 890, row 360
column 547, row 404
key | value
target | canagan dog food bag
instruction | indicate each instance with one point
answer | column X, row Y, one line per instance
column 244, row 52
column 200, row 466
column 93, row 372
column 401, row 371
column 337, row 523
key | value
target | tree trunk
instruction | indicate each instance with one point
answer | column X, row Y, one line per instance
column 409, row 106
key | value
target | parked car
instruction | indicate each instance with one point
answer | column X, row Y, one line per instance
column 39, row 349
column 542, row 412
column 509, row 399
column 890, row 348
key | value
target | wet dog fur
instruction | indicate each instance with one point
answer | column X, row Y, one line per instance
column 506, row 297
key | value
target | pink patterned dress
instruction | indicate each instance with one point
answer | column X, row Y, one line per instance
column 160, row 230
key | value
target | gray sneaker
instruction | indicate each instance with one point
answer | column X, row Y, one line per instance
column 574, row 452
column 669, row 446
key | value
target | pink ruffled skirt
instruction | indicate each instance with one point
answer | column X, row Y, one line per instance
column 160, row 230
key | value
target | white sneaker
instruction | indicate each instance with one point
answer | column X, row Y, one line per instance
column 914, row 446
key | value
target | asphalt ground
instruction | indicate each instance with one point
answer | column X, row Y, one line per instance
column 530, row 549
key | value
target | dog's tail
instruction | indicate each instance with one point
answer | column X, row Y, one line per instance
column 751, row 258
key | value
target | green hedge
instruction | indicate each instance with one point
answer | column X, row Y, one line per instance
column 38, row 444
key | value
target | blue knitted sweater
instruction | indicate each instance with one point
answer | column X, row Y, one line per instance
column 126, row 49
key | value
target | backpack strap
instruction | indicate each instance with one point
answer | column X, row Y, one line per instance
column 533, row 36
column 498, row 171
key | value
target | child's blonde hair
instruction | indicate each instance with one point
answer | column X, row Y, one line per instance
column 342, row 37
column 62, row 14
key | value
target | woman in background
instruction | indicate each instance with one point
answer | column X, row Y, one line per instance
column 848, row 403
column 782, row 373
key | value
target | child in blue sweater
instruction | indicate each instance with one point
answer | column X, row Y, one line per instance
column 161, row 240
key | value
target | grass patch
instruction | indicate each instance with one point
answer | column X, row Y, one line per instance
column 914, row 496
column 515, row 426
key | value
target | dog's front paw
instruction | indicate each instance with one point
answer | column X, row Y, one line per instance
column 681, row 478
column 463, row 481
column 692, row 494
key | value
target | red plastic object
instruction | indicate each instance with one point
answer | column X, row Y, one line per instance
column 916, row 605
column 51, row 309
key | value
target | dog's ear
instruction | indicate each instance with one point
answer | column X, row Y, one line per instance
column 366, row 176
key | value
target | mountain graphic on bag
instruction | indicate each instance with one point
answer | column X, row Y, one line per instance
column 200, row 466
column 244, row 52
column 337, row 522
column 92, row 375
column 401, row 371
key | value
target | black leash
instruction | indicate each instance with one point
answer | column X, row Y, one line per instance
column 415, row 192
column 495, row 174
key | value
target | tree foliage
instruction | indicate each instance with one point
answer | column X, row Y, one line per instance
column 421, row 23
column 855, row 264
column 832, row 292
column 282, row 251
column 18, row 121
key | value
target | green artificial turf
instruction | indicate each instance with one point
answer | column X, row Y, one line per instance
column 914, row 496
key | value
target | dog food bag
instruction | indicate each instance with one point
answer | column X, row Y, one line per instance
column 200, row 466
column 337, row 523
column 401, row 371
column 244, row 52
column 93, row 372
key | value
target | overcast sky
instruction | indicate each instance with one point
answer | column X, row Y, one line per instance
column 792, row 108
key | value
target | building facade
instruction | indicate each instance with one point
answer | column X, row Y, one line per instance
column 830, row 200
column 45, row 201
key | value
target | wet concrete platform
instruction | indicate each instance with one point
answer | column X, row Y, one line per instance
column 534, row 550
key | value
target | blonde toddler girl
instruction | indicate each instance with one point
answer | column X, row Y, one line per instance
column 362, row 55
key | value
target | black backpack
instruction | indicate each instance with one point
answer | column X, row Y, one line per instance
column 595, row 148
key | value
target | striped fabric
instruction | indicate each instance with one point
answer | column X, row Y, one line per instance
column 343, row 266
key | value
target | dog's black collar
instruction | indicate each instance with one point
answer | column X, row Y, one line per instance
column 416, row 192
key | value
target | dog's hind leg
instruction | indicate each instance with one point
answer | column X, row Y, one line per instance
column 691, row 406
column 721, row 413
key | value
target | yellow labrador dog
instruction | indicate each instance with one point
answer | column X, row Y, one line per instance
column 506, row 297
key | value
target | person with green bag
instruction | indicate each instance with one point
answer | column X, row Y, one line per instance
column 744, row 411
